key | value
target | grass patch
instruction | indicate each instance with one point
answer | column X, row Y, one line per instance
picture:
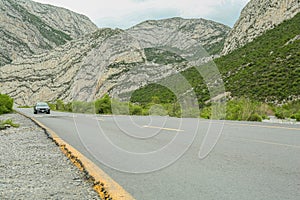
column 8, row 122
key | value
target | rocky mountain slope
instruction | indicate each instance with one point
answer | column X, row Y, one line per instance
column 68, row 64
column 106, row 61
column 258, row 17
column 29, row 28
column 181, row 33
column 266, row 70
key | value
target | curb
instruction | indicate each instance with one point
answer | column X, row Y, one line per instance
column 104, row 185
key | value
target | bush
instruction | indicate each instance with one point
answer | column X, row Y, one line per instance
column 119, row 108
column 24, row 106
column 83, row 107
column 103, row 105
column 157, row 110
column 255, row 118
column 296, row 116
column 282, row 113
column 6, row 104
column 68, row 107
column 135, row 110
column 240, row 109
column 206, row 113
column 60, row 105
column 52, row 106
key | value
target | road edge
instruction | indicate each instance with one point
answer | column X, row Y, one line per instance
column 103, row 184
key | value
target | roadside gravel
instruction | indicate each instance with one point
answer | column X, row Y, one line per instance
column 33, row 167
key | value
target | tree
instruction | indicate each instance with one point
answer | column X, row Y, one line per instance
column 103, row 105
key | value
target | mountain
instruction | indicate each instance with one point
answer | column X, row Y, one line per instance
column 29, row 28
column 266, row 70
column 256, row 18
column 179, row 33
column 71, row 71
column 84, row 64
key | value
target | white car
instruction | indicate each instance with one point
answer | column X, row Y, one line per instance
column 41, row 107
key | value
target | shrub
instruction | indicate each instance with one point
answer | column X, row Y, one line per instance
column 103, row 105
column 60, row 105
column 52, row 106
column 83, row 107
column 157, row 110
column 206, row 113
column 135, row 110
column 6, row 104
column 296, row 116
column 68, row 107
column 264, row 116
column 119, row 108
column 24, row 106
column 282, row 113
column 255, row 118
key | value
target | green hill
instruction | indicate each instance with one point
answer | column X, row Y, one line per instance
column 266, row 70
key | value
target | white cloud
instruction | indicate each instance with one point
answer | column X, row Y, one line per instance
column 125, row 13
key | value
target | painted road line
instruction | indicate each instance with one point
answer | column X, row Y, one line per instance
column 104, row 185
column 257, row 125
column 267, row 142
column 161, row 128
column 99, row 119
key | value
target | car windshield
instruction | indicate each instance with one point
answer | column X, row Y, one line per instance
column 42, row 104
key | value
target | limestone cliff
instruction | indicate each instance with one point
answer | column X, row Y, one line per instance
column 28, row 28
column 258, row 17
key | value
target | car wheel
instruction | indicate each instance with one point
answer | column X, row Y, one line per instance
column 48, row 112
column 35, row 112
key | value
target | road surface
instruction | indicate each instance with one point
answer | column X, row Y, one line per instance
column 158, row 157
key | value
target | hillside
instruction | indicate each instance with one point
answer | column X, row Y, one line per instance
column 179, row 33
column 47, row 60
column 29, row 28
column 266, row 69
column 256, row 18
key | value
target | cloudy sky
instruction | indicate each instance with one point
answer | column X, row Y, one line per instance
column 126, row 13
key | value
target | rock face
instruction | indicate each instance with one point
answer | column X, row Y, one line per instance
column 256, row 18
column 29, row 28
column 65, row 72
column 179, row 33
column 106, row 61
column 69, row 64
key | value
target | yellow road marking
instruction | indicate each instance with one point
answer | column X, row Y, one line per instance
column 168, row 129
column 104, row 185
column 99, row 119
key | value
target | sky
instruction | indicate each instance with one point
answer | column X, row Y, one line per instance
column 126, row 13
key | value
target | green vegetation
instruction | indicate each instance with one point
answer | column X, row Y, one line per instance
column 243, row 109
column 290, row 110
column 6, row 104
column 8, row 122
column 162, row 56
column 103, row 105
column 106, row 105
column 24, row 106
column 265, row 70
column 215, row 48
column 142, row 96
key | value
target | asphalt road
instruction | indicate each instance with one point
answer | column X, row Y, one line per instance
column 158, row 157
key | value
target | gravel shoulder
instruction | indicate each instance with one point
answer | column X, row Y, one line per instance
column 33, row 167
